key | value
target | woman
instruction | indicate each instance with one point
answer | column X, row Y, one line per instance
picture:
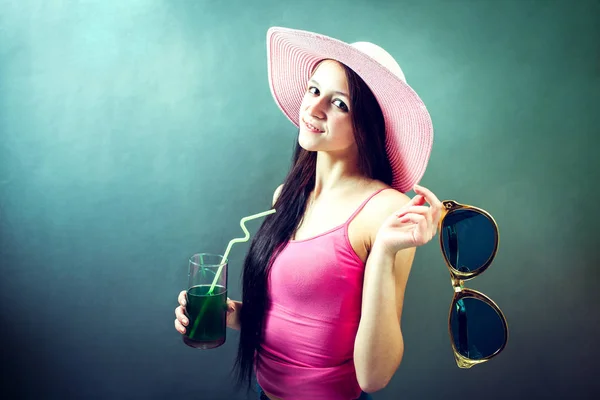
column 324, row 278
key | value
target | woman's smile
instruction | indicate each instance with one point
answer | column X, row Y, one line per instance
column 311, row 127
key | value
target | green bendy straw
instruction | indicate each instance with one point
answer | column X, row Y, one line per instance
column 237, row 240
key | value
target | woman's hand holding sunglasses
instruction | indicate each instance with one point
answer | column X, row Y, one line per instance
column 415, row 224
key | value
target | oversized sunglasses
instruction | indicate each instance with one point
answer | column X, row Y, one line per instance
column 469, row 240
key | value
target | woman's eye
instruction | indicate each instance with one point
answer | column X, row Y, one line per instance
column 341, row 105
column 313, row 90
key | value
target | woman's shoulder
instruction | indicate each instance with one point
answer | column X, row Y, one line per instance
column 387, row 199
column 276, row 193
column 380, row 207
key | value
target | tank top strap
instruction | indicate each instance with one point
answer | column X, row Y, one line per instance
column 362, row 205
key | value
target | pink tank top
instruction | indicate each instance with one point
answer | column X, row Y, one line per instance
column 315, row 288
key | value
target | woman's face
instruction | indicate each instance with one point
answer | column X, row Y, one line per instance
column 325, row 115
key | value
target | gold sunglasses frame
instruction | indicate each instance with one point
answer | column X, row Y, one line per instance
column 457, row 279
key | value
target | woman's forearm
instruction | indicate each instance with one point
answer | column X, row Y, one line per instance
column 379, row 345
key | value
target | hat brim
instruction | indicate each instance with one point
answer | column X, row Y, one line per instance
column 292, row 56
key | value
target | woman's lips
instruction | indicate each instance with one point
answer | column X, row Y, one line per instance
column 311, row 128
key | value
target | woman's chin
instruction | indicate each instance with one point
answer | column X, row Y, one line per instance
column 307, row 144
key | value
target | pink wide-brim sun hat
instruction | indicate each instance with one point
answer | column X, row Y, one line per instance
column 292, row 56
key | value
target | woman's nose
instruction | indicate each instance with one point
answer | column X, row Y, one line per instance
column 316, row 108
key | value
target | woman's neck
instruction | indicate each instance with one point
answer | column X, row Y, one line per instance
column 335, row 173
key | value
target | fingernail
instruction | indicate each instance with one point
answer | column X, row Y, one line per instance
column 183, row 303
column 185, row 321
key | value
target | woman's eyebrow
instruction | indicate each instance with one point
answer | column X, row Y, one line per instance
column 335, row 91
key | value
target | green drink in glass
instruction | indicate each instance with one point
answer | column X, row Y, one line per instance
column 206, row 306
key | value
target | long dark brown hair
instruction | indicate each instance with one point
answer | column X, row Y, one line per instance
column 277, row 229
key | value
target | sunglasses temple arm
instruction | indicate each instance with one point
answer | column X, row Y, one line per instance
column 453, row 246
column 463, row 334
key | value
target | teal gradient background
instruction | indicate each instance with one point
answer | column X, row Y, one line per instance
column 135, row 133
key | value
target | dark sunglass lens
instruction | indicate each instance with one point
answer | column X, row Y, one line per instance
column 469, row 239
column 477, row 329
